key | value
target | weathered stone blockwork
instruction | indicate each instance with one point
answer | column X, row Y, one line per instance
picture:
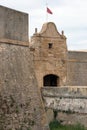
column 49, row 54
column 18, row 90
column 72, row 98
column 77, row 68
column 70, row 103
column 21, row 107
column 13, row 24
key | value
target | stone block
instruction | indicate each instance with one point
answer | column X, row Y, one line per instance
column 13, row 24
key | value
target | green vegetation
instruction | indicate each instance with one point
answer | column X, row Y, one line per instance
column 55, row 125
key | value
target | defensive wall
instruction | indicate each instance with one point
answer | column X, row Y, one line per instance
column 77, row 68
column 21, row 107
column 69, row 101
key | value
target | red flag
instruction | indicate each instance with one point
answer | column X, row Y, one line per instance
column 49, row 11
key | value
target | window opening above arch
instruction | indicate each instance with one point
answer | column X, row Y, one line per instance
column 50, row 45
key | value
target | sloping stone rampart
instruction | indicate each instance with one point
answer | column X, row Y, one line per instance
column 20, row 101
column 21, row 107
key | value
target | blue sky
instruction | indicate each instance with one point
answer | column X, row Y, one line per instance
column 68, row 15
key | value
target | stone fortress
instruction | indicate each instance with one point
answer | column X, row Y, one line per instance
column 39, row 76
column 61, row 75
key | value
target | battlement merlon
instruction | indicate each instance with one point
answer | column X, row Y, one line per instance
column 13, row 26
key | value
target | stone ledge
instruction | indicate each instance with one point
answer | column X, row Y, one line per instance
column 65, row 92
column 15, row 42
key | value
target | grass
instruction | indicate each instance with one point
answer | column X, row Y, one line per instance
column 55, row 125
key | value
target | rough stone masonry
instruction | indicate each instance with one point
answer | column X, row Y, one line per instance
column 69, row 101
column 21, row 107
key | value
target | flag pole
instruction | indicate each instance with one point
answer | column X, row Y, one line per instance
column 46, row 12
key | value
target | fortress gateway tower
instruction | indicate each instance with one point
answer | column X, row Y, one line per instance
column 50, row 56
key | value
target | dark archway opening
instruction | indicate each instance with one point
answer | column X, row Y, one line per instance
column 51, row 80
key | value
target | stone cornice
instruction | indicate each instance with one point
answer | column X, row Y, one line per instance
column 14, row 42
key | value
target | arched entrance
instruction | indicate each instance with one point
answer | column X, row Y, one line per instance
column 50, row 80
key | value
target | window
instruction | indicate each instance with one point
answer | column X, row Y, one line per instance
column 50, row 45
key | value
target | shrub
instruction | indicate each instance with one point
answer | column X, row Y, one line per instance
column 55, row 125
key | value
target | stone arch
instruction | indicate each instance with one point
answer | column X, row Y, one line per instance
column 51, row 80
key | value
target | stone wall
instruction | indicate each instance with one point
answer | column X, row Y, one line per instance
column 68, row 102
column 21, row 107
column 13, row 24
column 77, row 68
column 73, row 98
column 20, row 101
